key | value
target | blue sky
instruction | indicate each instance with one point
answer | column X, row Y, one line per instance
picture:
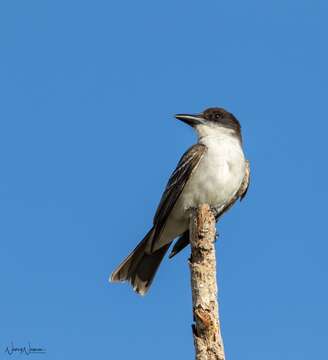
column 87, row 140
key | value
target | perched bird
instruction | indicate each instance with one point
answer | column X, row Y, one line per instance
column 213, row 171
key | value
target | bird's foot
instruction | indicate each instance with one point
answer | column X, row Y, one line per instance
column 214, row 211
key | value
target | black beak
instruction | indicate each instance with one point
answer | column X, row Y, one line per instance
column 191, row 120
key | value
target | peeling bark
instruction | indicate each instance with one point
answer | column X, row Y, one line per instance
column 206, row 328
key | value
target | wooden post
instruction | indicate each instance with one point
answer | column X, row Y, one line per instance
column 206, row 328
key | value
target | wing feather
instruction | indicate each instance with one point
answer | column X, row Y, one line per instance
column 187, row 164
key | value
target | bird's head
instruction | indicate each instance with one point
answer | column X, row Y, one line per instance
column 212, row 121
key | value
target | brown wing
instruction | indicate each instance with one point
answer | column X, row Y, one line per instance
column 183, row 240
column 246, row 181
column 187, row 164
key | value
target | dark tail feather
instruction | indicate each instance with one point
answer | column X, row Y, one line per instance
column 140, row 268
column 180, row 244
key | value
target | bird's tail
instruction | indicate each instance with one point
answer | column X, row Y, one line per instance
column 139, row 267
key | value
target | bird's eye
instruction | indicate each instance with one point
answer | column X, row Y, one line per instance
column 217, row 116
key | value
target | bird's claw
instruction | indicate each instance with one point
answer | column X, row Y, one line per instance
column 214, row 211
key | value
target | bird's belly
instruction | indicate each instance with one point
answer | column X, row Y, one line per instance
column 214, row 182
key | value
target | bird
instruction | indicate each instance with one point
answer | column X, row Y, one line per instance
column 213, row 171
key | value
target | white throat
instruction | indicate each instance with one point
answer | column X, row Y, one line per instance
column 209, row 134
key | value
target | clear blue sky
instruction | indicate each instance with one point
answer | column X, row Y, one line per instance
column 87, row 140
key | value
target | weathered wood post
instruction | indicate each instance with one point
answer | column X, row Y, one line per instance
column 206, row 328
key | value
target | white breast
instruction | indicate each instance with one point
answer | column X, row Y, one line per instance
column 219, row 174
column 215, row 181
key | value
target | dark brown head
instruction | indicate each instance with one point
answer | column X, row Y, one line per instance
column 213, row 118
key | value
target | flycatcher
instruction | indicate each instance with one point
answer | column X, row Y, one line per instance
column 213, row 171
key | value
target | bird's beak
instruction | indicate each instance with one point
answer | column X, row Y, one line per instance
column 191, row 120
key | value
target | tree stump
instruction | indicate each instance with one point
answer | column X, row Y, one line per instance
column 206, row 328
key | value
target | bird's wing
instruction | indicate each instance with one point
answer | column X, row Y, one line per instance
column 246, row 181
column 183, row 240
column 187, row 164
